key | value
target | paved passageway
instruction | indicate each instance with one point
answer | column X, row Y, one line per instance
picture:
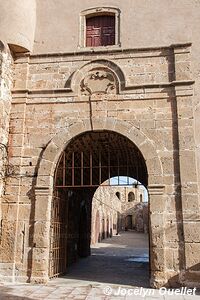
column 123, row 259
column 120, row 262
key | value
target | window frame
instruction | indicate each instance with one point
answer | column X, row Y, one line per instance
column 131, row 197
column 99, row 11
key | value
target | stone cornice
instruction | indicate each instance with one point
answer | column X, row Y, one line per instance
column 182, row 88
column 105, row 50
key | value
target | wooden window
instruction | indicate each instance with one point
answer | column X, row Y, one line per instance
column 100, row 31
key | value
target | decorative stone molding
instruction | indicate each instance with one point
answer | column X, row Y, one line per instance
column 98, row 81
column 98, row 76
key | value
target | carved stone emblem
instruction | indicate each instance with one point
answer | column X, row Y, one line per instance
column 98, row 82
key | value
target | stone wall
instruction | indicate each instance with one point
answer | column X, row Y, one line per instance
column 139, row 214
column 5, row 105
column 150, row 102
column 6, row 63
column 107, row 205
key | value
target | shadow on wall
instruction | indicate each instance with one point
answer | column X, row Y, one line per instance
column 184, row 275
column 189, row 276
column 176, row 161
column 31, row 195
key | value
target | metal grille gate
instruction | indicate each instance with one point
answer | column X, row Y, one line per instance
column 95, row 159
column 58, row 234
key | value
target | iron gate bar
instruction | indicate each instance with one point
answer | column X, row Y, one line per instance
column 64, row 164
column 96, row 167
column 118, row 166
column 99, row 168
column 72, row 168
column 127, row 168
column 97, row 185
column 90, row 168
column 109, row 167
column 82, row 168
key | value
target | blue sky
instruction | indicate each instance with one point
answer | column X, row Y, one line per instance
column 126, row 181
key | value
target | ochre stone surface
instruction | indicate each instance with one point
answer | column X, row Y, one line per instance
column 140, row 89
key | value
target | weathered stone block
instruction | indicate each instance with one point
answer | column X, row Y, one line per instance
column 192, row 255
column 192, row 231
column 41, row 234
column 157, row 259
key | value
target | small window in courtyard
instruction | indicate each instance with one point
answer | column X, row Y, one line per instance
column 118, row 195
column 100, row 30
column 131, row 197
column 141, row 198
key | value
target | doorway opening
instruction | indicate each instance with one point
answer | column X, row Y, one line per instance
column 91, row 160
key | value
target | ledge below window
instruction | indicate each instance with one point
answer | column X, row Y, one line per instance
column 99, row 48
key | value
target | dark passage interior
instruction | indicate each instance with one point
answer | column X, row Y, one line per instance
column 89, row 160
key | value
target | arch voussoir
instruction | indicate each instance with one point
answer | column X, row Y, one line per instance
column 60, row 141
column 76, row 129
column 51, row 151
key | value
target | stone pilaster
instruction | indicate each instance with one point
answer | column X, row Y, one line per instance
column 157, row 235
column 41, row 238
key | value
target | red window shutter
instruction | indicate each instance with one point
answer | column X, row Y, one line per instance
column 100, row 31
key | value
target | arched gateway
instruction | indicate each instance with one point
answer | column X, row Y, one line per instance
column 89, row 160
column 73, row 165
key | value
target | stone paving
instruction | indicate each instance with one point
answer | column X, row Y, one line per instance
column 107, row 274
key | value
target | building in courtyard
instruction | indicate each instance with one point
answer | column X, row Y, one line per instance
column 116, row 209
column 90, row 90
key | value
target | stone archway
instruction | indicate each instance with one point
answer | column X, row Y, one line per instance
column 44, row 190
